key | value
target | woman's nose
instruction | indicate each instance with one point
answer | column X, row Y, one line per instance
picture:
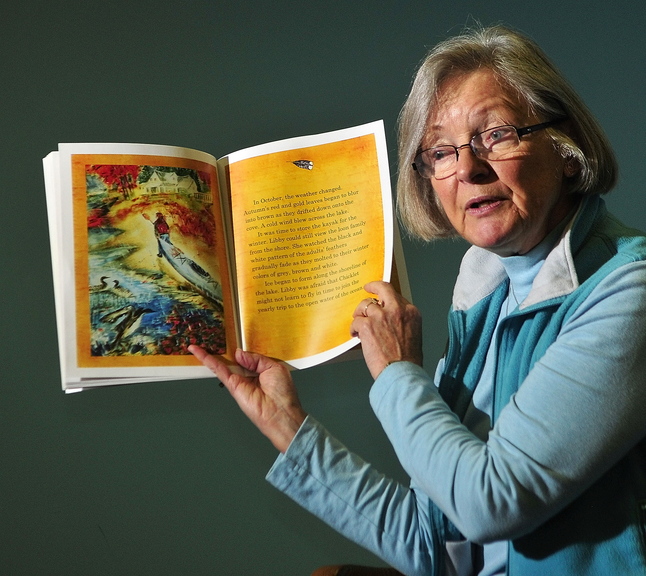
column 469, row 167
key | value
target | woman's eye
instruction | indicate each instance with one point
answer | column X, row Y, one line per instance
column 498, row 134
column 439, row 154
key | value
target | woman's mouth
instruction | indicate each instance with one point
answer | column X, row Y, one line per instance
column 483, row 204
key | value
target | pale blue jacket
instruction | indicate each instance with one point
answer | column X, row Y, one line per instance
column 562, row 475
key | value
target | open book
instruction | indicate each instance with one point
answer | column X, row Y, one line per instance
column 155, row 248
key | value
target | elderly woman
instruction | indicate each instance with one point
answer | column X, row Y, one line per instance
column 526, row 450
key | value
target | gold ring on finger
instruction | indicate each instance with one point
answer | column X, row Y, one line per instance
column 372, row 301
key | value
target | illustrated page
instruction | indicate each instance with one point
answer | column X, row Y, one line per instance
column 150, row 266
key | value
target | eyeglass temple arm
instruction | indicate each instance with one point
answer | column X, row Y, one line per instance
column 541, row 126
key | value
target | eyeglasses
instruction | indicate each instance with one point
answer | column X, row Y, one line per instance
column 492, row 144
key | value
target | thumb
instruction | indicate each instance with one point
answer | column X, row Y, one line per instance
column 254, row 362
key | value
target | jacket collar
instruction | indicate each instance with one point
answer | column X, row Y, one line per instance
column 481, row 271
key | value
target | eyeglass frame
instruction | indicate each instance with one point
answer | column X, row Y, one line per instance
column 520, row 132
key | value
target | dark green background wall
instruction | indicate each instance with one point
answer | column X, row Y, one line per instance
column 168, row 478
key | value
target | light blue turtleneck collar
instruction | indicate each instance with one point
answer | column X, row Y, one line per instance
column 523, row 269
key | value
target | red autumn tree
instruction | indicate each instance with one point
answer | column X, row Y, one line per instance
column 117, row 177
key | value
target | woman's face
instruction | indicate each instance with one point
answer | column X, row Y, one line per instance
column 506, row 206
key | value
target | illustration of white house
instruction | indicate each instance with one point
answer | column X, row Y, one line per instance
column 168, row 183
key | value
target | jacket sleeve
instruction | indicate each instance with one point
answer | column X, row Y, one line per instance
column 578, row 412
column 376, row 512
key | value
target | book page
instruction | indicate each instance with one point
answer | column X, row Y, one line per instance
column 150, row 273
column 312, row 221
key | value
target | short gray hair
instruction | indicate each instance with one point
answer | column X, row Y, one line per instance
column 521, row 65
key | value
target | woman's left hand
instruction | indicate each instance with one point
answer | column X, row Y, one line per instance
column 268, row 396
column 389, row 327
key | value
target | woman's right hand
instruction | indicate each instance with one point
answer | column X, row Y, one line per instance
column 389, row 331
column 268, row 397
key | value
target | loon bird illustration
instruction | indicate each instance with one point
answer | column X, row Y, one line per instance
column 100, row 287
column 121, row 291
column 127, row 321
